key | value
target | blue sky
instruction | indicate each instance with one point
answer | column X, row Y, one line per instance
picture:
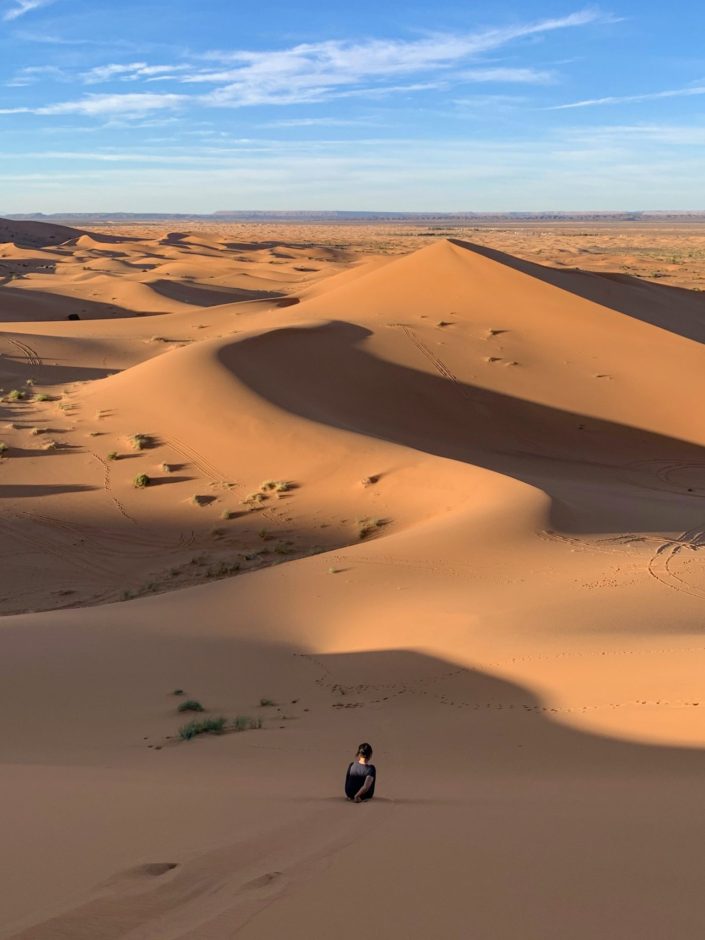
column 149, row 105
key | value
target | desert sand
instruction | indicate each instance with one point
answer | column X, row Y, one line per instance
column 441, row 493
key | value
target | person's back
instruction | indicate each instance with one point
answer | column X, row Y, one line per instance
column 361, row 776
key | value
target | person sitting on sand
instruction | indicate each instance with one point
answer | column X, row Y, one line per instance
column 361, row 775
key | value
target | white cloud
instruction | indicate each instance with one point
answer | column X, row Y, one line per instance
column 106, row 106
column 34, row 73
column 20, row 7
column 629, row 99
column 320, row 122
column 132, row 71
column 525, row 76
column 314, row 71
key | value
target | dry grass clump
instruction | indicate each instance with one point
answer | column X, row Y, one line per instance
column 17, row 394
column 191, row 705
column 139, row 441
column 3, row 447
column 218, row 726
column 113, row 455
column 206, row 726
column 254, row 500
column 141, row 481
column 43, row 397
column 276, row 486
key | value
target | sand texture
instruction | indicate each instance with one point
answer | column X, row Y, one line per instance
column 445, row 494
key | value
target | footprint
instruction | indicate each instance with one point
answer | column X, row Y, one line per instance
column 154, row 869
column 264, row 881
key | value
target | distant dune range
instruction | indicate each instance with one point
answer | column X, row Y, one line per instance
column 449, row 500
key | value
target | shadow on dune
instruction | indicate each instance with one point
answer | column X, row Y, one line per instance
column 29, row 490
column 209, row 296
column 32, row 306
column 598, row 472
column 675, row 309
column 486, row 767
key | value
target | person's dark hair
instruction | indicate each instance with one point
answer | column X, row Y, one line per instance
column 365, row 750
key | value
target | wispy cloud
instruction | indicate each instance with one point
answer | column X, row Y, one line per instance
column 106, row 106
column 20, row 7
column 314, row 71
column 527, row 76
column 686, row 92
column 35, row 73
column 321, row 122
column 130, row 72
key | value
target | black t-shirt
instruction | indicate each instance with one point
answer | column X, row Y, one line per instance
column 355, row 778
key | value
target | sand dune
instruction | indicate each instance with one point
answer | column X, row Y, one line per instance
column 450, row 502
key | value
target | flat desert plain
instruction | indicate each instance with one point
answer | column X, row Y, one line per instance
column 443, row 491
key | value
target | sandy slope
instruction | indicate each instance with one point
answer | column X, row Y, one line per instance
column 518, row 633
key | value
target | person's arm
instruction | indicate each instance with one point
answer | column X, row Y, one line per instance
column 367, row 785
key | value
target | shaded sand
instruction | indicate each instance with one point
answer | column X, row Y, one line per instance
column 449, row 502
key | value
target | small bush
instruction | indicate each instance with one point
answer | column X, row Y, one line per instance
column 206, row 726
column 139, row 441
column 17, row 394
column 43, row 397
column 142, row 480
column 275, row 486
column 254, row 499
column 113, row 455
column 167, row 468
column 266, row 703
column 178, row 692
column 228, row 514
column 3, row 447
column 190, row 706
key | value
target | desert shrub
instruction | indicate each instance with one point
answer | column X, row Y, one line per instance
column 254, row 499
column 3, row 447
column 178, row 692
column 142, row 480
column 113, row 455
column 275, row 486
column 266, row 703
column 206, row 726
column 139, row 441
column 190, row 706
column 43, row 397
column 17, row 394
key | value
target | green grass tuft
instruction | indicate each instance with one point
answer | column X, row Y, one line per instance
column 191, row 706
column 206, row 726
